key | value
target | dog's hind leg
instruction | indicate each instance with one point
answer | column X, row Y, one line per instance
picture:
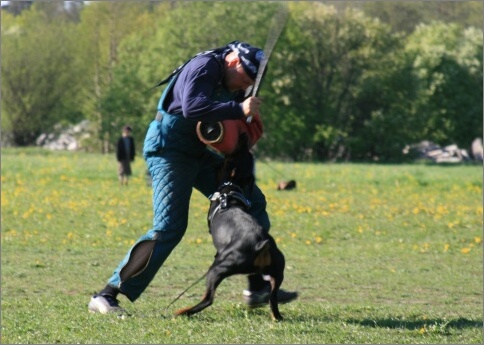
column 276, row 277
column 276, row 315
column 215, row 275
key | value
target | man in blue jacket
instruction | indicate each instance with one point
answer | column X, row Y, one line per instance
column 209, row 87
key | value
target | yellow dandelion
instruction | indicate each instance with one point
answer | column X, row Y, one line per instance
column 477, row 239
column 465, row 250
column 415, row 210
column 422, row 330
column 442, row 210
column 198, row 241
column 278, row 240
column 360, row 229
column 293, row 235
column 446, row 247
column 308, row 242
column 318, row 239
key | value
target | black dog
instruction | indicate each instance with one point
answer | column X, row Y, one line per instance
column 243, row 247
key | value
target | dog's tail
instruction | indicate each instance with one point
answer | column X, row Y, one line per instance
column 263, row 256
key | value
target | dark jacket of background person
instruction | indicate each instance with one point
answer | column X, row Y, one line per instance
column 121, row 153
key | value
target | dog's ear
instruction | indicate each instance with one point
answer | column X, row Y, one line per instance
column 223, row 173
column 238, row 166
column 261, row 245
column 243, row 172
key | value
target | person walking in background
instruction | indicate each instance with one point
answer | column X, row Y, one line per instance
column 125, row 155
column 209, row 87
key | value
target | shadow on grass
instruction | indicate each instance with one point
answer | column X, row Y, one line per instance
column 459, row 323
column 394, row 323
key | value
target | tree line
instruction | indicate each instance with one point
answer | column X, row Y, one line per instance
column 343, row 83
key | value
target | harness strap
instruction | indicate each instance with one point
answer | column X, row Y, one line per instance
column 215, row 51
column 223, row 204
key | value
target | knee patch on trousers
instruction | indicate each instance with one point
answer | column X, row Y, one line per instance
column 138, row 260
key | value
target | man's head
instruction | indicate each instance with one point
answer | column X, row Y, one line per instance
column 126, row 130
column 242, row 64
column 250, row 57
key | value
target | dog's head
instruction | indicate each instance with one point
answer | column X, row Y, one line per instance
column 238, row 167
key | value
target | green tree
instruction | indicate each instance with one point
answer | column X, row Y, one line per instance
column 447, row 60
column 406, row 16
column 431, row 91
column 103, row 27
column 322, row 63
column 39, row 73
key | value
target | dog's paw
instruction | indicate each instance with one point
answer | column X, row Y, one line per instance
column 277, row 317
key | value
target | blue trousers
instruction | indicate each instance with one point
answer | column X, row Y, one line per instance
column 175, row 174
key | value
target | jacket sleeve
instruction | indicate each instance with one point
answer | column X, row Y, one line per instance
column 132, row 149
column 119, row 149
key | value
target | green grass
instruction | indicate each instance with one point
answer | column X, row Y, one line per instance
column 379, row 254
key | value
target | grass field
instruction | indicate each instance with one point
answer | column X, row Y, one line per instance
column 379, row 254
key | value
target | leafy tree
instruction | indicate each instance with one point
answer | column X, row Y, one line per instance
column 103, row 27
column 447, row 61
column 322, row 64
column 39, row 74
column 433, row 91
column 406, row 16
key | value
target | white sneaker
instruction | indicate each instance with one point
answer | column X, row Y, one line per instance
column 104, row 304
column 260, row 298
